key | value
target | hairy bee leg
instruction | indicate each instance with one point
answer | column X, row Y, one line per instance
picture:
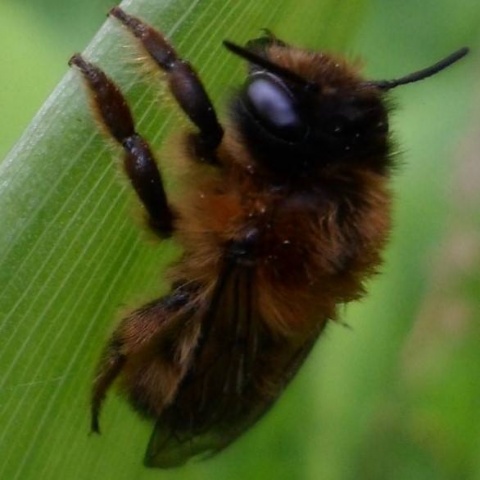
column 183, row 82
column 109, row 370
column 139, row 163
column 136, row 331
column 133, row 333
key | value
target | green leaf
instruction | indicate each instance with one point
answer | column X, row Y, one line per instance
column 72, row 258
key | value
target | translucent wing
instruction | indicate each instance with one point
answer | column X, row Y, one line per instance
column 238, row 372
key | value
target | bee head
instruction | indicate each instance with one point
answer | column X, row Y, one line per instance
column 301, row 110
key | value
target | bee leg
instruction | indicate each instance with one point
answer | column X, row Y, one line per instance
column 139, row 163
column 183, row 82
column 132, row 336
column 109, row 369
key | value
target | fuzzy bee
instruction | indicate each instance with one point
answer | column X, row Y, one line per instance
column 284, row 214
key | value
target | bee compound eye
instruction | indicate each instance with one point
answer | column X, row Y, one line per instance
column 275, row 107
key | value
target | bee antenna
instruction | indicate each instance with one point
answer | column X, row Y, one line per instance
column 269, row 66
column 420, row 74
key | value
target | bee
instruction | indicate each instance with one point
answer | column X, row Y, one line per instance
column 283, row 216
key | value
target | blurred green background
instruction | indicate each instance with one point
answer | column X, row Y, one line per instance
column 396, row 396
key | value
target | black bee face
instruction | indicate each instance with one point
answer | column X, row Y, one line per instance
column 348, row 127
column 296, row 129
column 301, row 111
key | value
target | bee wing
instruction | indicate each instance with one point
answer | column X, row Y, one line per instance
column 238, row 372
